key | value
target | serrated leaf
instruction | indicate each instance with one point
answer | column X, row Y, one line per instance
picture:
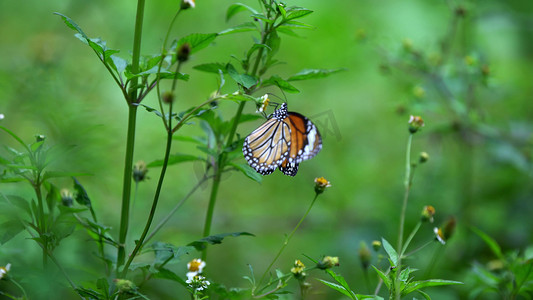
column 281, row 83
column 247, row 26
column 211, row 67
column 415, row 285
column 248, row 172
column 245, row 80
column 493, row 245
column 165, row 250
column 174, row 159
column 72, row 25
column 393, row 255
column 216, row 239
column 236, row 8
column 313, row 74
column 383, row 277
column 197, row 41
column 81, row 194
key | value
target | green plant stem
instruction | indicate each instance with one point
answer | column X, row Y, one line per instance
column 410, row 238
column 407, row 184
column 130, row 142
column 126, row 192
column 42, row 219
column 287, row 240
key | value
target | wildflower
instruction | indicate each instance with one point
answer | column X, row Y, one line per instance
column 167, row 97
column 2, row 117
column 124, row 285
column 198, row 283
column 4, row 270
column 298, row 269
column 328, row 262
column 185, row 4
column 263, row 104
column 376, row 245
column 415, row 123
column 427, row 213
column 195, row 267
column 183, row 52
column 364, row 255
column 66, row 197
column 139, row 171
column 321, row 184
column 423, row 157
column 444, row 233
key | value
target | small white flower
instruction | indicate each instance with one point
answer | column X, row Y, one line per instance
column 2, row 116
column 195, row 267
column 198, row 283
column 4, row 270
column 264, row 103
column 189, row 2
column 438, row 235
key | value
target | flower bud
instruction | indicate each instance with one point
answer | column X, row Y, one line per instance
column 427, row 213
column 419, row 92
column 415, row 123
column 185, row 4
column 364, row 255
column 67, row 198
column 139, row 171
column 183, row 52
column 444, row 233
column 124, row 285
column 4, row 271
column 167, row 97
column 40, row 137
column 321, row 184
column 376, row 245
column 423, row 157
column 328, row 262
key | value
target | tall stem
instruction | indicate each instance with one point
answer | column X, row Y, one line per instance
column 130, row 141
column 42, row 221
column 407, row 184
column 287, row 239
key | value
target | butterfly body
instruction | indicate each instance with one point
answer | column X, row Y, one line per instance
column 283, row 141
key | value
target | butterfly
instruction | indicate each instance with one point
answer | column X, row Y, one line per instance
column 285, row 140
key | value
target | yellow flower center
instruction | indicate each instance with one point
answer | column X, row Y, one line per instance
column 194, row 265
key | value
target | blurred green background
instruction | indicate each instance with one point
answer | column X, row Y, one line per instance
column 480, row 153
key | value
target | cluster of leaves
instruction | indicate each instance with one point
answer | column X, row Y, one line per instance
column 507, row 275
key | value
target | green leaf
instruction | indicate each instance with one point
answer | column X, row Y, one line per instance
column 12, row 134
column 81, row 194
column 281, row 83
column 163, row 273
column 390, row 251
column 197, row 41
column 216, row 239
column 211, row 67
column 262, row 17
column 165, row 250
column 174, row 159
column 313, row 74
column 383, row 277
column 375, row 297
column 18, row 202
column 297, row 12
column 52, row 197
column 338, row 288
column 415, row 285
column 239, row 97
column 89, row 293
column 118, row 64
column 9, row 230
column 424, row 294
column 103, row 285
column 72, row 25
column 236, row 8
column 493, row 245
column 245, row 80
column 248, row 172
column 340, row 279
column 247, row 26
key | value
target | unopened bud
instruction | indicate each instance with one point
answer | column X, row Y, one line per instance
column 427, row 213
column 185, row 4
column 328, row 262
column 423, row 157
column 321, row 184
column 364, row 255
column 139, row 171
column 124, row 285
column 67, row 198
column 183, row 52
column 167, row 97
column 40, row 137
column 376, row 245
